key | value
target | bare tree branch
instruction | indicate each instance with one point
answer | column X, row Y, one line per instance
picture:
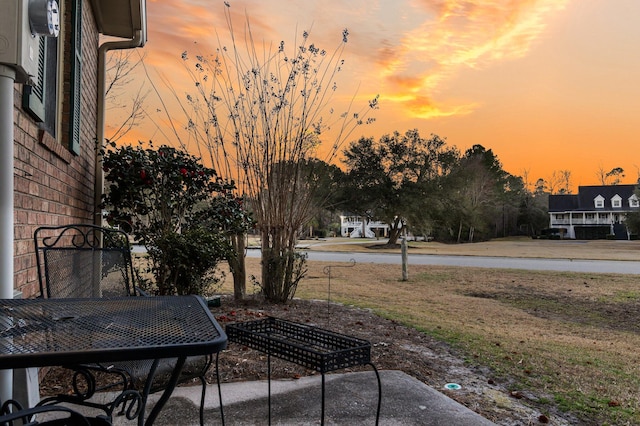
column 120, row 68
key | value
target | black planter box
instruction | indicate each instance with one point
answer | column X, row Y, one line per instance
column 309, row 346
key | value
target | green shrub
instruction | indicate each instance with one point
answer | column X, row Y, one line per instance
column 180, row 210
column 186, row 263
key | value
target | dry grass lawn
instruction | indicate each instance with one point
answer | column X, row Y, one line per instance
column 570, row 339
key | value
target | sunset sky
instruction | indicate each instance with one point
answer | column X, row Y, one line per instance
column 548, row 85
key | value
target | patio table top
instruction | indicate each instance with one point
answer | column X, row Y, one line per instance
column 45, row 332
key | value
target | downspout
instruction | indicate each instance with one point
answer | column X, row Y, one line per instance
column 139, row 40
column 7, row 79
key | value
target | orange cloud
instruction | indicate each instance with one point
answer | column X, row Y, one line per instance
column 462, row 34
column 405, row 83
column 424, row 108
column 415, row 51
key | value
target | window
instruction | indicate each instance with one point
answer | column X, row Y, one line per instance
column 43, row 100
column 616, row 201
column 634, row 201
column 599, row 202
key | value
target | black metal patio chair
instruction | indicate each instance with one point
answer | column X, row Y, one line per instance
column 83, row 260
column 12, row 413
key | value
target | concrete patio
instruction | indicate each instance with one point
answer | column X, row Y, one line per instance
column 351, row 398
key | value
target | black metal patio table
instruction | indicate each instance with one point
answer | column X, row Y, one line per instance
column 51, row 332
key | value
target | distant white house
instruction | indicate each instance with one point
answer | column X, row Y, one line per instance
column 594, row 213
column 352, row 226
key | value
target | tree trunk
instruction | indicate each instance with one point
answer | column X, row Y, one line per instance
column 393, row 236
column 238, row 267
column 394, row 232
column 282, row 268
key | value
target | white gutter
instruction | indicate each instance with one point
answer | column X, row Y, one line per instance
column 139, row 40
column 7, row 80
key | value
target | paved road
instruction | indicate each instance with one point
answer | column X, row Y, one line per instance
column 569, row 265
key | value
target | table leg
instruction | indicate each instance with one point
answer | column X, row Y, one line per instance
column 379, row 392
column 146, row 391
column 379, row 396
column 322, row 403
column 219, row 392
column 173, row 380
column 269, row 384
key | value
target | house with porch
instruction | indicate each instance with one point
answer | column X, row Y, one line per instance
column 354, row 226
column 595, row 212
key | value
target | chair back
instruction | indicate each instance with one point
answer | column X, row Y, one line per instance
column 83, row 260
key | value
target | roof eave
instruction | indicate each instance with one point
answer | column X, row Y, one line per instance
column 120, row 18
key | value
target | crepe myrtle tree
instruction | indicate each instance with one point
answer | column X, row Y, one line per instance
column 261, row 112
column 180, row 210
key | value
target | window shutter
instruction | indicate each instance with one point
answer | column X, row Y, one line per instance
column 40, row 99
column 33, row 95
column 76, row 79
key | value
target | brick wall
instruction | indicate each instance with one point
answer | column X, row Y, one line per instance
column 53, row 186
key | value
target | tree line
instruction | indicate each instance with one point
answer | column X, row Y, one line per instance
column 428, row 188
